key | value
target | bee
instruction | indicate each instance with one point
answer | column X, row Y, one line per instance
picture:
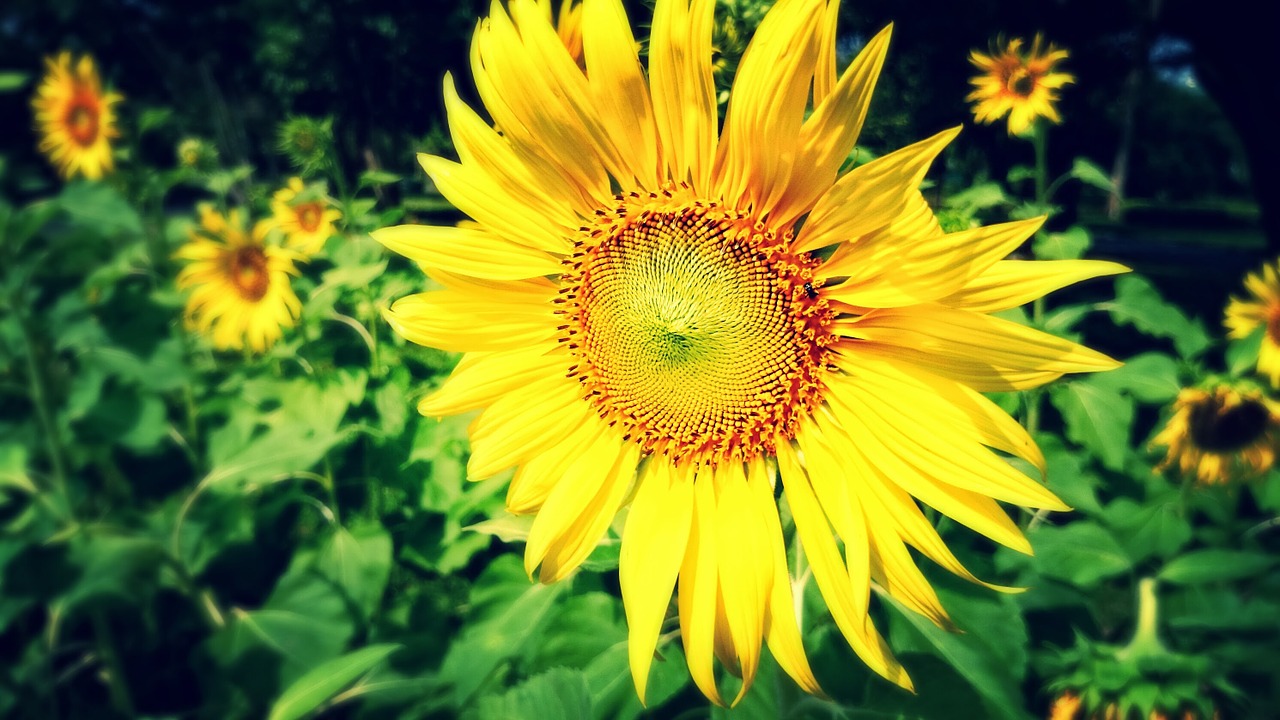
column 808, row 290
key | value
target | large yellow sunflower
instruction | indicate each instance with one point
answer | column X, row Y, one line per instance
column 240, row 289
column 75, row 117
column 646, row 320
column 1020, row 83
column 1262, row 307
column 304, row 216
column 1221, row 433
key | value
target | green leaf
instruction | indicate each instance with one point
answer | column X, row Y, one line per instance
column 323, row 682
column 1154, row 529
column 1069, row 245
column 510, row 613
column 13, row 468
column 1097, row 417
column 11, row 80
column 1242, row 355
column 978, row 197
column 558, row 693
column 359, row 562
column 112, row 566
column 1083, row 553
column 506, row 527
column 1140, row 305
column 1090, row 174
column 98, row 206
column 370, row 178
column 613, row 693
column 1214, row 565
column 1151, row 377
column 989, row 653
column 152, row 118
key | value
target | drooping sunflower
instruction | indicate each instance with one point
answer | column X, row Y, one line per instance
column 1221, row 433
column 75, row 117
column 1261, row 308
column 1021, row 83
column 645, row 320
column 304, row 215
column 240, row 285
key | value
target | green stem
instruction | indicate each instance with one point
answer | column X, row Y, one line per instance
column 44, row 414
column 1146, row 636
column 115, row 669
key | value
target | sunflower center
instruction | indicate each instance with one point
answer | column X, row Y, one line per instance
column 247, row 271
column 82, row 122
column 309, row 215
column 694, row 327
column 1020, row 82
column 1215, row 427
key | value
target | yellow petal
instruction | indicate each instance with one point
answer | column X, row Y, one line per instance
column 1011, row 283
column 684, row 96
column 839, row 588
column 461, row 322
column 522, row 423
column 653, row 546
column 746, row 575
column 537, row 476
column 870, row 196
column 891, row 271
column 619, row 88
column 467, row 251
column 831, row 132
column 481, row 378
column 696, row 598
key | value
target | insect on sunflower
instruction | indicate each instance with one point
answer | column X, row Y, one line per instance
column 645, row 320
column 75, row 117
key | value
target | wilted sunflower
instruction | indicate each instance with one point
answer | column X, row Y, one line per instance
column 1262, row 307
column 1221, row 433
column 303, row 214
column 75, row 117
column 1020, row 83
column 240, row 290
column 645, row 320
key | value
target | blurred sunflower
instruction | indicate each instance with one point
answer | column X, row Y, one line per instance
column 645, row 320
column 1220, row 433
column 1261, row 308
column 1019, row 82
column 75, row 117
column 240, row 287
column 303, row 214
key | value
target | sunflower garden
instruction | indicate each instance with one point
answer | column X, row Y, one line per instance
column 698, row 358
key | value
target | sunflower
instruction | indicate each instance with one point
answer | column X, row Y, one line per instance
column 240, row 291
column 1221, row 433
column 75, row 117
column 1020, row 83
column 303, row 214
column 1261, row 308
column 645, row 320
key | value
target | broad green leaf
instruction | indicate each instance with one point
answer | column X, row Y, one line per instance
column 1069, row 245
column 979, row 197
column 13, row 468
column 326, row 680
column 98, row 206
column 1151, row 377
column 509, row 614
column 1153, row 529
column 1090, row 174
column 506, row 527
column 990, row 653
column 359, row 562
column 557, row 693
column 613, row 692
column 11, row 80
column 1139, row 304
column 1242, row 355
column 111, row 566
column 1081, row 553
column 1097, row 417
column 1067, row 475
column 605, row 555
column 582, row 627
column 370, row 178
column 1215, row 565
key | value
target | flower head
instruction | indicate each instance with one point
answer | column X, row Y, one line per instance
column 303, row 214
column 1220, row 433
column 307, row 142
column 1021, row 83
column 197, row 154
column 240, row 290
column 1261, row 309
column 644, row 318
column 75, row 117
